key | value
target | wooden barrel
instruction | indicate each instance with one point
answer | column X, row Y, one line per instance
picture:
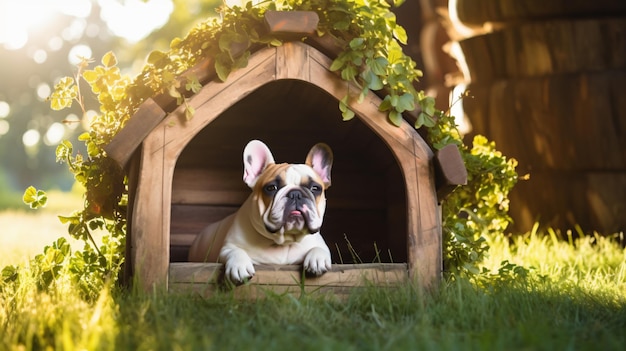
column 478, row 12
column 549, row 88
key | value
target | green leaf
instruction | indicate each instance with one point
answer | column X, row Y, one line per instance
column 109, row 60
column 155, row 57
column 175, row 43
column 378, row 65
column 10, row 274
column 35, row 198
column 406, row 102
column 189, row 112
column 64, row 94
column 193, row 84
column 386, row 104
column 63, row 151
column 424, row 119
column 92, row 149
column 173, row 92
column 337, row 64
column 400, row 33
column 428, row 105
column 69, row 219
column 346, row 112
column 222, row 70
column 349, row 73
column 395, row 117
column 372, row 80
column 91, row 76
column 356, row 43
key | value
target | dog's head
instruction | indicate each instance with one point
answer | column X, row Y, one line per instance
column 290, row 198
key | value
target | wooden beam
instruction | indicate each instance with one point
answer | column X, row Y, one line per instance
column 124, row 144
column 450, row 170
column 208, row 278
column 297, row 23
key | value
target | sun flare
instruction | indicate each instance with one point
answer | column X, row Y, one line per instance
column 130, row 19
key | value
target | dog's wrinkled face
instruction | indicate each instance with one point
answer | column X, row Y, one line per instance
column 290, row 197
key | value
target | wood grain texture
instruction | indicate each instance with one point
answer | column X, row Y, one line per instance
column 292, row 22
column 450, row 170
column 128, row 139
column 477, row 12
column 207, row 278
column 547, row 47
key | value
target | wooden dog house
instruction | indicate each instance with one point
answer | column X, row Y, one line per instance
column 382, row 219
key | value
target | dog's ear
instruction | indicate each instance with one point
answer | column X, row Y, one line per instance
column 320, row 158
column 256, row 156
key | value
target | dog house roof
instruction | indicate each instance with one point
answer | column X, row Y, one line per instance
column 306, row 61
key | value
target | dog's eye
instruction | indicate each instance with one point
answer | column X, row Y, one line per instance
column 315, row 189
column 271, row 188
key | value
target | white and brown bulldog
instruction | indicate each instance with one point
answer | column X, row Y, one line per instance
column 280, row 221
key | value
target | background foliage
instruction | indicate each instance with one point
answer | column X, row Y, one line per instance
column 373, row 59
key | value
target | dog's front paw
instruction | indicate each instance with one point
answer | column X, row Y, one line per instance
column 317, row 261
column 239, row 268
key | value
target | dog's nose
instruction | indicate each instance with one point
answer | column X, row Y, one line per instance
column 295, row 194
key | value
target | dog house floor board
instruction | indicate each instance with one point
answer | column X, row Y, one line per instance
column 207, row 278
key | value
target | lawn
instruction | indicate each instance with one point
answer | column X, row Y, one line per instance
column 554, row 294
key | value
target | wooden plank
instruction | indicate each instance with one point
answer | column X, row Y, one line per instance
column 208, row 186
column 182, row 239
column 425, row 241
column 216, row 97
column 133, row 172
column 150, row 238
column 193, row 218
column 124, row 144
column 292, row 62
column 341, row 275
column 450, row 171
column 296, row 23
column 197, row 186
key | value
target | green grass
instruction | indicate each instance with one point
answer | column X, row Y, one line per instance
column 568, row 296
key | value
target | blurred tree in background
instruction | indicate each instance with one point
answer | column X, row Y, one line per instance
column 40, row 41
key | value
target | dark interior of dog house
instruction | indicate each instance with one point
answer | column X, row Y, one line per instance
column 365, row 218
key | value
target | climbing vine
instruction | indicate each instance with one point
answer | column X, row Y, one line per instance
column 372, row 59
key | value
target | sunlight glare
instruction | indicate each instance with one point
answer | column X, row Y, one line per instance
column 78, row 51
column 88, row 118
column 4, row 127
column 18, row 17
column 40, row 56
column 75, row 8
column 55, row 134
column 55, row 43
column 5, row 109
column 31, row 138
column 43, row 91
column 75, row 30
column 135, row 19
column 72, row 121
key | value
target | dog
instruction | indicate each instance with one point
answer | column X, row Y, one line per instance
column 280, row 221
